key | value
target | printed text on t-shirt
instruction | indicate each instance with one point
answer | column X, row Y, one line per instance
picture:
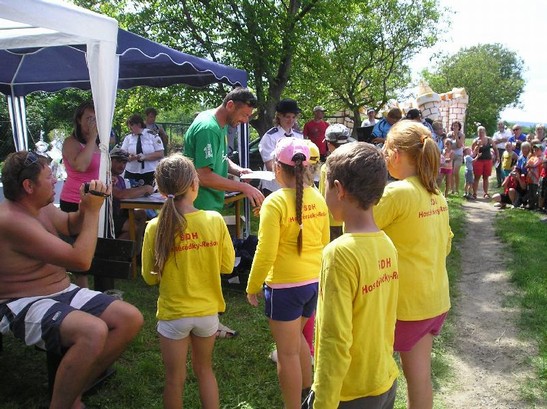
column 435, row 210
column 383, row 264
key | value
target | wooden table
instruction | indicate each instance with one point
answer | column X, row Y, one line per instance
column 154, row 202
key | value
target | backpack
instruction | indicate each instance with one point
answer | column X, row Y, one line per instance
column 244, row 251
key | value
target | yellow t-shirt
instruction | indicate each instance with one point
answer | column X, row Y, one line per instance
column 506, row 160
column 417, row 223
column 276, row 259
column 190, row 283
column 355, row 321
column 322, row 189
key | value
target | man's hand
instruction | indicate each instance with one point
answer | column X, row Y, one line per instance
column 245, row 171
column 254, row 195
column 93, row 200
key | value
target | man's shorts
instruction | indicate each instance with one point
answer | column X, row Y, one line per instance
column 482, row 167
column 202, row 327
column 37, row 320
column 288, row 304
column 408, row 333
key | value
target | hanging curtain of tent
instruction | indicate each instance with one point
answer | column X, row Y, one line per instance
column 18, row 118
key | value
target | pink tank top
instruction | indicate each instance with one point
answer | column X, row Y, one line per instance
column 74, row 178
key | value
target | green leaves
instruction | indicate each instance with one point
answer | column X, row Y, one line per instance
column 492, row 76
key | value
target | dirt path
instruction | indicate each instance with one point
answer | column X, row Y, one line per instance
column 489, row 358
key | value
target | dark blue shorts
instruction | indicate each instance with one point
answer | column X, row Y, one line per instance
column 288, row 304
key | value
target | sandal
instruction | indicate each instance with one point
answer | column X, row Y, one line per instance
column 487, row 196
column 225, row 332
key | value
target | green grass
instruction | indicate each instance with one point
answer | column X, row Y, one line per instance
column 247, row 378
column 525, row 236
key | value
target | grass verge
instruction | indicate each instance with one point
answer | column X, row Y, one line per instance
column 524, row 234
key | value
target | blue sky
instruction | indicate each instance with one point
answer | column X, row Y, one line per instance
column 520, row 26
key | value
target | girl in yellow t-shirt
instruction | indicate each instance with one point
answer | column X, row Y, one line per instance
column 414, row 214
column 184, row 251
column 294, row 228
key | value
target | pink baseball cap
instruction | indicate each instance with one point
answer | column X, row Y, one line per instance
column 287, row 147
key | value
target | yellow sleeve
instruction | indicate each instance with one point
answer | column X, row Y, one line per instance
column 148, row 254
column 323, row 179
column 266, row 250
column 333, row 332
column 386, row 210
column 228, row 253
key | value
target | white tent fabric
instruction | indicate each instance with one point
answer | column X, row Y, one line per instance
column 36, row 23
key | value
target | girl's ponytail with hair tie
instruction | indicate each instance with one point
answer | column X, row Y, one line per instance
column 423, row 138
column 170, row 196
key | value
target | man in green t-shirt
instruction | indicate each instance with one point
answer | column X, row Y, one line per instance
column 205, row 142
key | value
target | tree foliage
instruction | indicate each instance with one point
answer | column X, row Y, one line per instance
column 343, row 54
column 492, row 76
column 362, row 60
column 338, row 53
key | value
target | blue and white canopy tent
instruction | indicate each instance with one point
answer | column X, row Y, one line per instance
column 48, row 45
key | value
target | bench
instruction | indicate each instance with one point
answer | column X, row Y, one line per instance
column 112, row 260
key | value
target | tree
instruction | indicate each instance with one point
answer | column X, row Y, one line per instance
column 292, row 48
column 362, row 61
column 492, row 76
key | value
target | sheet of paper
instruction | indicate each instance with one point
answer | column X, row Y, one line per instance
column 259, row 174
column 157, row 195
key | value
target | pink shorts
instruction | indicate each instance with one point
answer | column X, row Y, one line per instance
column 446, row 171
column 482, row 167
column 408, row 333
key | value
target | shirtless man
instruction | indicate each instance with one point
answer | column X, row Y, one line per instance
column 37, row 299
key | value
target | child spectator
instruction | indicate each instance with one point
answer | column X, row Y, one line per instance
column 533, row 165
column 542, row 190
column 469, row 178
column 525, row 149
column 292, row 233
column 414, row 214
column 508, row 159
column 354, row 365
column 447, row 158
column 514, row 188
column 336, row 135
column 184, row 251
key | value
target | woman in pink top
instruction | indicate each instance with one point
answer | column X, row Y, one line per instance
column 81, row 157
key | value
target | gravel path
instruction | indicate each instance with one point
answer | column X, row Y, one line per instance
column 490, row 361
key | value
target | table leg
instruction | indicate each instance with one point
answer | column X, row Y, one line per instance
column 133, row 236
column 237, row 208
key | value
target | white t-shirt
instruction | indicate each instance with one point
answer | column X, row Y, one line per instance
column 506, row 134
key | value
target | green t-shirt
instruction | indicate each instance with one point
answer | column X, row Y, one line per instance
column 205, row 143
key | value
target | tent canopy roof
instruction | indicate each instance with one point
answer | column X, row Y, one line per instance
column 142, row 62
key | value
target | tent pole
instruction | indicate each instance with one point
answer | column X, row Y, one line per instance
column 243, row 145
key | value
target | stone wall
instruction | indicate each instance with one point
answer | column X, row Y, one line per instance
column 448, row 107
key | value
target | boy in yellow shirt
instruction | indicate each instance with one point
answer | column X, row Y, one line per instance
column 358, row 288
column 336, row 135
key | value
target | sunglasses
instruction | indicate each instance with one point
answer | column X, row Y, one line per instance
column 30, row 160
